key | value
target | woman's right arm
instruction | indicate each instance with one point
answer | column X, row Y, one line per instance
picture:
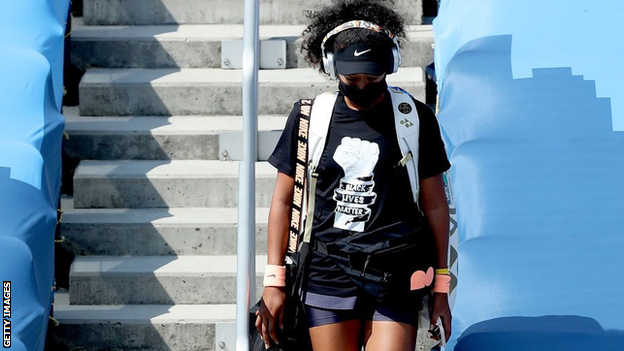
column 279, row 218
column 271, row 311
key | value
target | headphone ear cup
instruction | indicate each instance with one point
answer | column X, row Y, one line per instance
column 325, row 69
column 329, row 66
column 395, row 61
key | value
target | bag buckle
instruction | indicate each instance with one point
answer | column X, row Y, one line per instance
column 368, row 258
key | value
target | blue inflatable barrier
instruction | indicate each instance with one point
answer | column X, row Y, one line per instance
column 31, row 91
column 532, row 114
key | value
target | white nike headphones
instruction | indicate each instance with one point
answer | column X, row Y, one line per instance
column 329, row 65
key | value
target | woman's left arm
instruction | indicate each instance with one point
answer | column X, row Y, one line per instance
column 435, row 208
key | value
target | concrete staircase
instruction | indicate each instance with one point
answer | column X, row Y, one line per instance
column 153, row 217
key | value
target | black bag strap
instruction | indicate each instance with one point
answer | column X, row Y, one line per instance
column 301, row 170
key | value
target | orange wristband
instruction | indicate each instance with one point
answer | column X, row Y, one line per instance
column 442, row 284
column 275, row 276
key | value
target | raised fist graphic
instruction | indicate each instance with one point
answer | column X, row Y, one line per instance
column 357, row 158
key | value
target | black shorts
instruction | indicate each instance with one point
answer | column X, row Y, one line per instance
column 324, row 310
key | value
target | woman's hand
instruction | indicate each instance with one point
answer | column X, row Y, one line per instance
column 271, row 314
column 442, row 310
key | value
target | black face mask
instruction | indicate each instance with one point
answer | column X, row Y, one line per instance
column 364, row 98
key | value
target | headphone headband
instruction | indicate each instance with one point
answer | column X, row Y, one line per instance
column 355, row 24
column 328, row 60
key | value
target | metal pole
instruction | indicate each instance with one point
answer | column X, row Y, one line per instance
column 246, row 274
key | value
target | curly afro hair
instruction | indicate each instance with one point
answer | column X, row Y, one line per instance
column 341, row 11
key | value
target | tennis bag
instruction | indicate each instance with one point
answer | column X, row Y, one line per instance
column 295, row 335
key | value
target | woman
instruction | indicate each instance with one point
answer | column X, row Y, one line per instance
column 356, row 42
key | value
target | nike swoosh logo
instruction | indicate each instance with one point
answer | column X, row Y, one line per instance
column 356, row 53
column 271, row 276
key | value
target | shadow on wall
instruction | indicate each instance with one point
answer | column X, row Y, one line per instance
column 27, row 244
column 552, row 333
column 537, row 170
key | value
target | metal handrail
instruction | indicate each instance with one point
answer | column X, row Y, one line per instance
column 245, row 279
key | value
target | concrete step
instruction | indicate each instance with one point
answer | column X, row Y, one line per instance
column 154, row 138
column 121, row 12
column 170, row 92
column 149, row 184
column 199, row 46
column 156, row 232
column 149, row 327
column 110, row 280
column 138, row 327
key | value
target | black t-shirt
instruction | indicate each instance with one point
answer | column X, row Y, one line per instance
column 360, row 187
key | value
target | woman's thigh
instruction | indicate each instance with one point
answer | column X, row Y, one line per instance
column 389, row 336
column 342, row 336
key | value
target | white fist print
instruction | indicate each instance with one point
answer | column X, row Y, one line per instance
column 357, row 158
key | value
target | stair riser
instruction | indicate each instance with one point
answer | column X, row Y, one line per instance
column 120, row 12
column 160, row 54
column 127, row 100
column 108, row 239
column 188, row 336
column 143, row 146
column 114, row 289
column 165, row 192
column 200, row 54
column 142, row 99
column 146, row 54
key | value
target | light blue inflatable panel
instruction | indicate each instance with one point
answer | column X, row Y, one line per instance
column 530, row 96
column 31, row 127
